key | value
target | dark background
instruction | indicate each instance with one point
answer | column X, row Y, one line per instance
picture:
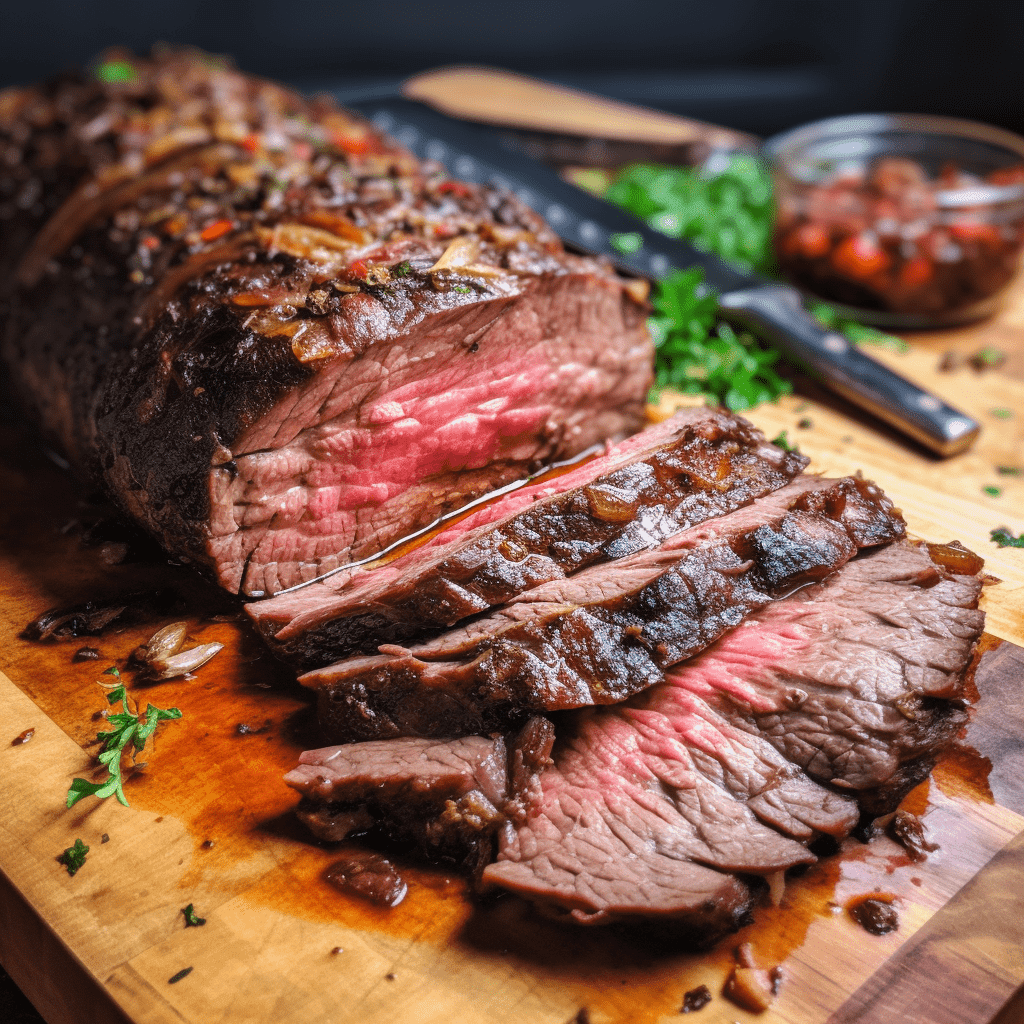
column 759, row 65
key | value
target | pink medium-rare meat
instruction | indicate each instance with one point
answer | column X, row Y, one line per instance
column 279, row 340
column 610, row 630
column 852, row 683
column 696, row 466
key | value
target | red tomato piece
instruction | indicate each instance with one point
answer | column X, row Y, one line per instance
column 812, row 240
column 972, row 231
column 916, row 272
column 860, row 257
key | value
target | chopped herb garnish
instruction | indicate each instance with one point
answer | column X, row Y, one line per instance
column 402, row 269
column 805, row 423
column 183, row 973
column 130, row 731
column 993, row 492
column 191, row 918
column 725, row 207
column 694, row 356
column 853, row 331
column 462, row 289
column 627, row 242
column 74, row 856
column 782, row 441
column 988, row 358
column 116, row 71
column 1005, row 539
column 1001, row 414
column 1009, row 470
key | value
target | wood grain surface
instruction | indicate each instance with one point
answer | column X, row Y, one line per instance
column 210, row 822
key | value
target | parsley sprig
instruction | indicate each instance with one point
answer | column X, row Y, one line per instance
column 1004, row 538
column 725, row 207
column 74, row 857
column 130, row 732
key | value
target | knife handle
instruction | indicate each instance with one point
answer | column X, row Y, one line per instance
column 777, row 313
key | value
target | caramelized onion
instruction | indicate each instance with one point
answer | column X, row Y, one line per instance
column 610, row 504
column 103, row 196
column 956, row 558
column 306, row 243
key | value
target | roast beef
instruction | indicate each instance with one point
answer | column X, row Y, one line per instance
column 698, row 465
column 610, row 630
column 664, row 805
column 280, row 341
column 865, row 671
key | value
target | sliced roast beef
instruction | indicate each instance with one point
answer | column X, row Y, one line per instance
column 850, row 681
column 610, row 630
column 280, row 341
column 654, row 807
column 445, row 799
column 853, row 679
column 698, row 465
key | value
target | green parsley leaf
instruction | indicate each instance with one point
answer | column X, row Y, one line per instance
column 74, row 857
column 783, row 442
column 1009, row 471
column 992, row 492
column 1001, row 414
column 183, row 973
column 402, row 269
column 462, row 289
column 855, row 332
column 1005, row 539
column 130, row 732
column 191, row 919
column 116, row 71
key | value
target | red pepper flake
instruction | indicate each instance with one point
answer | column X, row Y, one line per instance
column 216, row 230
column 251, row 143
column 860, row 257
column 445, row 231
column 354, row 145
column 303, row 150
column 151, row 242
column 455, row 188
column 23, row 737
column 358, row 269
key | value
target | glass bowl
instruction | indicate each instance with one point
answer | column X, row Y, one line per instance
column 903, row 220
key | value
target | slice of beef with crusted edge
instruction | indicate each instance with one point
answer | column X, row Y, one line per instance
column 693, row 467
column 610, row 630
column 445, row 799
column 688, row 772
column 279, row 340
column 856, row 679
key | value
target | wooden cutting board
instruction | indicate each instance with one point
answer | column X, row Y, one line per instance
column 210, row 822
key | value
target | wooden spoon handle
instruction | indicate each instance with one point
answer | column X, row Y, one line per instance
column 506, row 98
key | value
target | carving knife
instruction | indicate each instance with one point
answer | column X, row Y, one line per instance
column 771, row 309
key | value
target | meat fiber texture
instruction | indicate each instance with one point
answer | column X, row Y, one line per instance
column 664, row 806
column 695, row 466
column 280, row 341
column 608, row 631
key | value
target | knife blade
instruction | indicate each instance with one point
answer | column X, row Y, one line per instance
column 769, row 308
